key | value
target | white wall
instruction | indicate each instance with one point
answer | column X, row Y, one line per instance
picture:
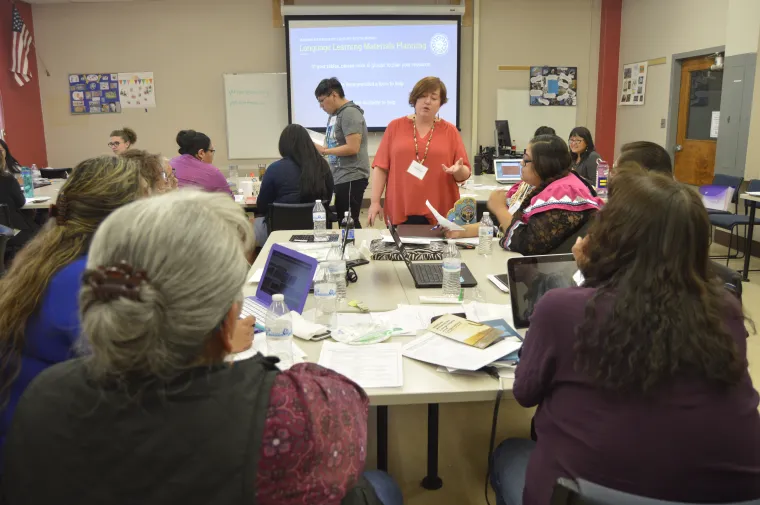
column 742, row 26
column 189, row 44
column 656, row 28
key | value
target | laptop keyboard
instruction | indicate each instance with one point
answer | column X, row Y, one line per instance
column 428, row 273
column 251, row 308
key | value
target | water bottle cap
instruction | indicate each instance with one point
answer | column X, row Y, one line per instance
column 486, row 213
column 317, row 201
column 451, row 242
column 346, row 214
column 278, row 298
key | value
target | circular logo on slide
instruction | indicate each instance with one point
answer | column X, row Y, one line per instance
column 439, row 44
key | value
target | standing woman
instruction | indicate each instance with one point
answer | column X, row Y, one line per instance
column 193, row 167
column 301, row 176
column 421, row 157
column 583, row 154
column 122, row 140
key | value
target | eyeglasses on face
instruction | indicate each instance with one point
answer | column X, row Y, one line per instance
column 212, row 151
column 575, row 141
column 114, row 144
column 321, row 100
column 526, row 161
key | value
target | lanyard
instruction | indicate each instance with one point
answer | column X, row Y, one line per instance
column 416, row 149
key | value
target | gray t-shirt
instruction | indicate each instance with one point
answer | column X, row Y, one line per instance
column 348, row 120
column 587, row 167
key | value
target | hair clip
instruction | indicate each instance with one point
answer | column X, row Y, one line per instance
column 58, row 209
column 113, row 282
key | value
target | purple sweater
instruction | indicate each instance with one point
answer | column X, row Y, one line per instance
column 191, row 172
column 689, row 441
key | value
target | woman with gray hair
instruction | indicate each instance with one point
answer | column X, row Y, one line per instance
column 155, row 414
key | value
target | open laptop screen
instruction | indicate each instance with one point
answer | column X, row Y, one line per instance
column 507, row 170
column 531, row 277
column 287, row 274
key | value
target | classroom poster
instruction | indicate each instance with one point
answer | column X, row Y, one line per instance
column 94, row 94
column 554, row 86
column 137, row 90
column 634, row 83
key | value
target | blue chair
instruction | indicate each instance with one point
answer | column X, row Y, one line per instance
column 730, row 181
column 583, row 492
column 729, row 222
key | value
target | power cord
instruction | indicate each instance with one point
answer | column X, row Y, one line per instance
column 493, row 372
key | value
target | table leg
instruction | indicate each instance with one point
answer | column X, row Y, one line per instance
column 432, row 481
column 748, row 243
column 382, row 438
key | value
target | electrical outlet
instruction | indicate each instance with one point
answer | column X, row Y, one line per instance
column 662, row 123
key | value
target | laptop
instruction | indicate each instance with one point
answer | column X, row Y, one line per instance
column 531, row 277
column 287, row 272
column 428, row 275
column 508, row 171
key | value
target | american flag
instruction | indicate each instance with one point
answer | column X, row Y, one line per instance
column 22, row 43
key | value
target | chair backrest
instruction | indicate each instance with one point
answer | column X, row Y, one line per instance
column 55, row 173
column 731, row 181
column 583, row 492
column 5, row 215
column 567, row 246
column 292, row 216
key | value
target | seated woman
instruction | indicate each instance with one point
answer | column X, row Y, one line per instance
column 641, row 373
column 157, row 403
column 156, row 175
column 584, row 156
column 301, row 176
column 555, row 203
column 13, row 197
column 39, row 312
column 193, row 167
column 122, row 140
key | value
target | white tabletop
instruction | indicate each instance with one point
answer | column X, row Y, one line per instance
column 750, row 198
column 48, row 191
column 382, row 286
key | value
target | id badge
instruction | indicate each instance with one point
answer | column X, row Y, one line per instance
column 417, row 169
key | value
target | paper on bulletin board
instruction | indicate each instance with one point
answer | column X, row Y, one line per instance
column 94, row 93
column 551, row 86
column 137, row 90
column 634, row 83
column 714, row 124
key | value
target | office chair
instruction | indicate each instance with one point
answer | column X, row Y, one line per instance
column 293, row 216
column 55, row 173
column 583, row 492
column 730, row 181
column 729, row 222
column 567, row 246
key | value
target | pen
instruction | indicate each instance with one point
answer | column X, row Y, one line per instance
column 435, row 227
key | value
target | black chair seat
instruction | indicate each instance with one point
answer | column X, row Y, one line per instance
column 55, row 173
column 728, row 221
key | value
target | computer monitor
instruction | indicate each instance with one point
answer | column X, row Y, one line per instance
column 502, row 140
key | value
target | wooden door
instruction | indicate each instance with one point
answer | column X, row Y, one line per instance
column 696, row 139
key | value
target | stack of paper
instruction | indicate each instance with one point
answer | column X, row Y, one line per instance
column 370, row 366
column 438, row 350
column 260, row 345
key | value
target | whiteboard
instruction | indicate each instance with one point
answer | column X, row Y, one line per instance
column 514, row 106
column 257, row 112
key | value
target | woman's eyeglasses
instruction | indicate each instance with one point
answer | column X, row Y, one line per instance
column 114, row 144
column 575, row 141
column 526, row 161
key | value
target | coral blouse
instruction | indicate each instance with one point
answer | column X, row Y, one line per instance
column 405, row 194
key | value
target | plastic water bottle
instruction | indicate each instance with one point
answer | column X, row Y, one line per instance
column 452, row 270
column 326, row 297
column 36, row 174
column 347, row 227
column 485, row 235
column 602, row 177
column 319, row 215
column 234, row 175
column 279, row 331
column 337, row 265
column 26, row 175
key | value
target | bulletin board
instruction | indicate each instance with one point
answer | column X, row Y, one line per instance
column 554, row 86
column 94, row 93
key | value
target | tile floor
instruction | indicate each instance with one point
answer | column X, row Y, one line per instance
column 465, row 429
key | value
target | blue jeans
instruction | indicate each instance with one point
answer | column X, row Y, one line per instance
column 510, row 462
column 385, row 487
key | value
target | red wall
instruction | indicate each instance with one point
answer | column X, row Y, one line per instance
column 22, row 108
column 606, row 97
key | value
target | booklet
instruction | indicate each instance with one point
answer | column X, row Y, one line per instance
column 467, row 332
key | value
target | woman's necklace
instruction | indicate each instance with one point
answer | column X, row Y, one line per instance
column 416, row 149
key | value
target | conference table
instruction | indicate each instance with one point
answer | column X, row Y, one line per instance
column 752, row 203
column 382, row 286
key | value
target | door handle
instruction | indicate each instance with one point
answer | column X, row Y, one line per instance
column 679, row 148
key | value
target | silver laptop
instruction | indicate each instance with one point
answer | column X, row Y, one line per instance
column 507, row 171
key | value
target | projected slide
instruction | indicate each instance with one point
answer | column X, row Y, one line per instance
column 378, row 62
